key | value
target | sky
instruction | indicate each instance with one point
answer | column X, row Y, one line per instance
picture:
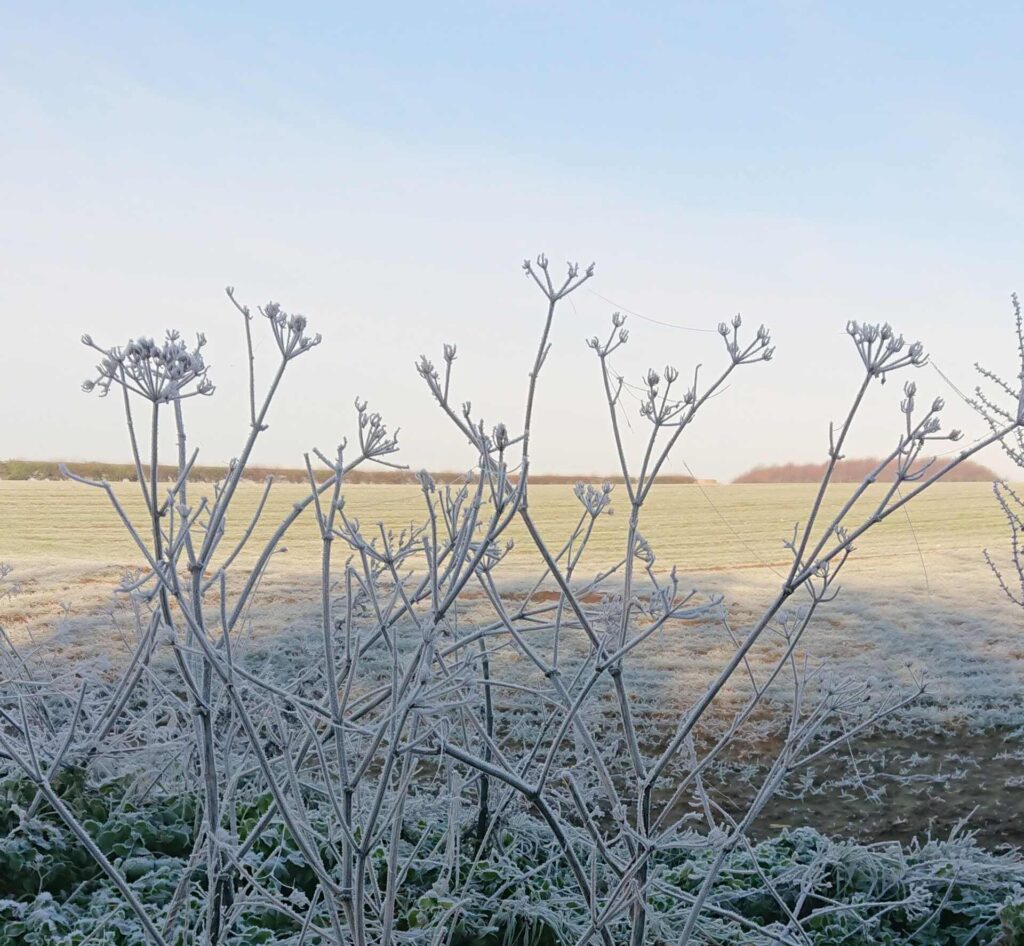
column 384, row 170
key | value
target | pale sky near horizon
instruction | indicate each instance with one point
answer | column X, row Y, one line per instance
column 384, row 170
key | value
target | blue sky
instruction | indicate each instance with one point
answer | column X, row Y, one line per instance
column 384, row 171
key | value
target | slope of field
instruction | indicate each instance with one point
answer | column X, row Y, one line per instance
column 697, row 528
column 69, row 548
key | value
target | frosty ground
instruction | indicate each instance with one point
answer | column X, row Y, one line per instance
column 916, row 596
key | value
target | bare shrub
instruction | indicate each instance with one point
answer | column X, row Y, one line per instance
column 461, row 741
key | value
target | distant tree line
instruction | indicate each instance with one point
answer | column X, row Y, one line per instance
column 847, row 471
column 853, row 471
column 116, row 472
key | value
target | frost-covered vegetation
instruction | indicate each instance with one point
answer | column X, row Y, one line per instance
column 52, row 891
column 465, row 759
